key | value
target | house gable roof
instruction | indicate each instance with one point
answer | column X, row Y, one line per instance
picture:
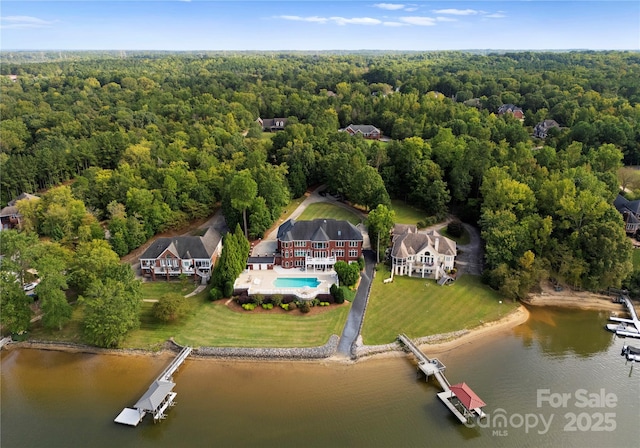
column 12, row 209
column 365, row 129
column 323, row 229
column 184, row 247
column 409, row 243
column 623, row 205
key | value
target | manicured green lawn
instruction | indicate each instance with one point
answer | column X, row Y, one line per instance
column 330, row 211
column 420, row 307
column 153, row 290
column 636, row 259
column 405, row 213
column 213, row 324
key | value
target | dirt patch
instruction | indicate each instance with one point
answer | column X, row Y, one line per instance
column 584, row 300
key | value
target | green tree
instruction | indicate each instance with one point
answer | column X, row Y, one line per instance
column 380, row 221
column 348, row 274
column 170, row 307
column 242, row 190
column 16, row 305
column 111, row 310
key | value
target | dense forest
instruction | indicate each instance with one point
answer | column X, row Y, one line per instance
column 147, row 142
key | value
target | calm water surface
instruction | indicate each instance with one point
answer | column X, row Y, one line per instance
column 55, row 399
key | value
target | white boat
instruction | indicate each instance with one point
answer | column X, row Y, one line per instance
column 631, row 353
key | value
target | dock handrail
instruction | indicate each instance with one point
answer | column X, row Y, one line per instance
column 171, row 368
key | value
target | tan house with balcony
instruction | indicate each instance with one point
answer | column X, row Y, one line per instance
column 424, row 254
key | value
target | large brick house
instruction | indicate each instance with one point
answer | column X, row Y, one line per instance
column 424, row 254
column 366, row 130
column 511, row 109
column 190, row 255
column 318, row 244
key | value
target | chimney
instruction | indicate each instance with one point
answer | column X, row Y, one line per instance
column 437, row 240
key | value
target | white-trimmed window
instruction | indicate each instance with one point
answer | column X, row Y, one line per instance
column 338, row 253
column 353, row 253
column 353, row 244
column 299, row 263
column 339, row 243
column 299, row 253
column 300, row 244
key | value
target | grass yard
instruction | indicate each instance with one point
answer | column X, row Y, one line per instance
column 213, row 324
column 153, row 290
column 328, row 211
column 636, row 259
column 464, row 239
column 420, row 307
column 405, row 213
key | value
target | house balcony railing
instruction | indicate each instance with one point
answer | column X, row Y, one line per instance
column 320, row 260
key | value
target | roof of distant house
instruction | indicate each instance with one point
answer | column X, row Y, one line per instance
column 508, row 108
column 11, row 208
column 623, row 204
column 185, row 247
column 318, row 230
column 364, row 128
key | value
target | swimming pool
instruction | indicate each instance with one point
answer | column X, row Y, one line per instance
column 296, row 282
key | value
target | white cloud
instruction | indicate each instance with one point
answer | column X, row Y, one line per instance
column 446, row 19
column 314, row 19
column 356, row 21
column 419, row 21
column 457, row 12
column 17, row 22
column 389, row 6
column 495, row 15
column 396, row 24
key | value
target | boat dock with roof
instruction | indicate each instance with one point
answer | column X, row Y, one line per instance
column 459, row 398
column 158, row 398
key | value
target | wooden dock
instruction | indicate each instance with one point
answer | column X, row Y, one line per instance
column 5, row 341
column 463, row 403
column 158, row 398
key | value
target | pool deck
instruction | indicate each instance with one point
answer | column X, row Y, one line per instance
column 262, row 281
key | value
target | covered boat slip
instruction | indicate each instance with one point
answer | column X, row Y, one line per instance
column 158, row 398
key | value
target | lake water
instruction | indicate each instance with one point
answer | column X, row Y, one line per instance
column 560, row 358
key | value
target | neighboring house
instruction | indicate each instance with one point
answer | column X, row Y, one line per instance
column 542, row 129
column 424, row 254
column 318, row 244
column 173, row 256
column 511, row 109
column 630, row 211
column 366, row 130
column 272, row 124
column 10, row 218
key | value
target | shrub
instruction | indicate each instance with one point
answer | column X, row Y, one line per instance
column 361, row 263
column 455, row 228
column 339, row 296
column 284, row 306
column 315, row 302
column 292, row 305
column 258, row 299
column 170, row 307
column 249, row 306
column 215, row 294
column 267, row 306
column 333, row 289
column 305, row 307
column 276, row 299
column 324, row 304
column 228, row 289
column 348, row 274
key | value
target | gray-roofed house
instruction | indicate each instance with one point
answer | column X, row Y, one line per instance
column 366, row 130
column 172, row 256
column 272, row 124
column 424, row 254
column 541, row 130
column 630, row 211
column 10, row 217
column 511, row 109
column 318, row 244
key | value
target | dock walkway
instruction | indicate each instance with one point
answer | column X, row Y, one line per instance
column 627, row 327
column 158, row 398
column 464, row 404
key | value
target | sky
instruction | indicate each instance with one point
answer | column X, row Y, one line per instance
column 315, row 25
